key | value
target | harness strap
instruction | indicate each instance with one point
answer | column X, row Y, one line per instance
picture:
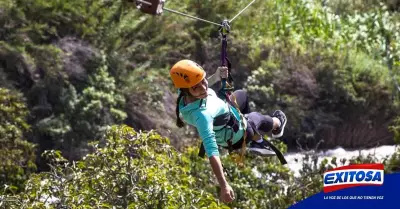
column 226, row 92
column 230, row 148
column 277, row 152
column 202, row 151
column 240, row 159
column 224, row 30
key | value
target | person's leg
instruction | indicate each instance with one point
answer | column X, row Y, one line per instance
column 249, row 137
column 262, row 124
column 240, row 96
column 281, row 123
column 242, row 100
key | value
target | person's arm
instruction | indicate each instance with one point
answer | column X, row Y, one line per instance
column 227, row 194
column 218, row 170
column 205, row 128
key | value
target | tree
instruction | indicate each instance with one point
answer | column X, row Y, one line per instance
column 17, row 156
column 84, row 116
column 132, row 170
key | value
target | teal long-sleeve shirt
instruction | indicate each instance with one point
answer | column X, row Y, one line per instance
column 201, row 114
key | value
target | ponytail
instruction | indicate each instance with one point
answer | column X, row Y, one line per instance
column 179, row 121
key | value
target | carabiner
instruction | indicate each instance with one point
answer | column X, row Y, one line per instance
column 225, row 28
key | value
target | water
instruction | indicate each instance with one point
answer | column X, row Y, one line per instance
column 295, row 160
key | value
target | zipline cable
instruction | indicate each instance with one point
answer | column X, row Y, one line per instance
column 144, row 2
column 190, row 16
column 157, row 9
column 242, row 11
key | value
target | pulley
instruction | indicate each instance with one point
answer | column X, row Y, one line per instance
column 153, row 7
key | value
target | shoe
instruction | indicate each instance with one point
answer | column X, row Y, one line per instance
column 261, row 148
column 278, row 132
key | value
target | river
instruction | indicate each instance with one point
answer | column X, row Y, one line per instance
column 295, row 160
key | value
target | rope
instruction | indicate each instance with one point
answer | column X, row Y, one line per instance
column 240, row 160
column 242, row 11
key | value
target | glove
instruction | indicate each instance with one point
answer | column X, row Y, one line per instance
column 222, row 72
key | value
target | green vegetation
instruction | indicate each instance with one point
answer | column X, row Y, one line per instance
column 72, row 73
column 142, row 170
column 17, row 156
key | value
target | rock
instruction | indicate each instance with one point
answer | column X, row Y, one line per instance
column 79, row 56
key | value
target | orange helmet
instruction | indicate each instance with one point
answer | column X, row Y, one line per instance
column 186, row 73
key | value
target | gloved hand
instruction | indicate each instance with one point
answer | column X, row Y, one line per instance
column 223, row 71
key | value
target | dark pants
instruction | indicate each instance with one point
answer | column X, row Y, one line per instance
column 257, row 123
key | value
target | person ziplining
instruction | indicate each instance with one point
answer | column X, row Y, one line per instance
column 217, row 121
column 222, row 118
